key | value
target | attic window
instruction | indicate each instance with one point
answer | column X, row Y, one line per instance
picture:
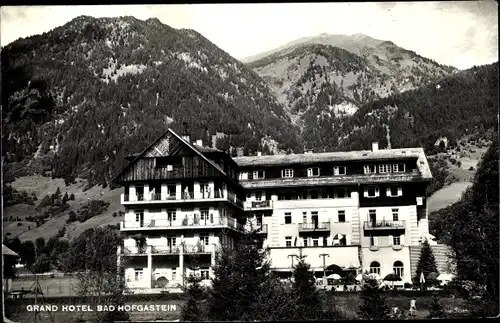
column 168, row 162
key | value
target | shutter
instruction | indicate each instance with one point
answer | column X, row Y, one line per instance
column 402, row 239
column 388, row 191
column 377, row 191
column 365, row 193
column 391, row 240
column 400, row 191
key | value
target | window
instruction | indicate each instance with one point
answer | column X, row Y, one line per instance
column 339, row 170
column 372, row 240
column 258, row 174
column 369, row 169
column 341, row 216
column 396, row 240
column 306, row 242
column 258, row 196
column 243, row 175
column 288, row 218
column 398, row 268
column 138, row 215
column 342, row 192
column 169, row 162
column 315, row 242
column 314, row 194
column 398, row 168
column 204, row 239
column 394, row 191
column 174, row 274
column 304, row 217
column 204, row 215
column 171, row 215
column 304, row 195
column 375, row 268
column 324, row 194
column 287, row 172
column 139, row 274
column 371, row 191
column 171, row 190
column 395, row 215
column 288, row 241
column 314, row 171
column 385, row 168
column 204, row 273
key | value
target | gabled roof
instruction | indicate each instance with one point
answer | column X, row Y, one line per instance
column 193, row 148
column 6, row 251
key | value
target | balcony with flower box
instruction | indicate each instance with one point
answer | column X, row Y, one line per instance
column 384, row 225
column 314, row 227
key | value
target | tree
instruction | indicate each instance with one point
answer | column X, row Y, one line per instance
column 96, row 251
column 42, row 264
column 436, row 310
column 39, row 246
column 193, row 309
column 308, row 303
column 373, row 303
column 65, row 197
column 72, row 197
column 242, row 286
column 28, row 253
column 426, row 263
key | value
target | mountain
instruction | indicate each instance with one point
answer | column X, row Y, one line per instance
column 347, row 71
column 79, row 98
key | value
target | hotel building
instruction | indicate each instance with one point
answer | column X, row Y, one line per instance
column 345, row 211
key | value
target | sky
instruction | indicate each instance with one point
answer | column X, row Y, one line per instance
column 456, row 33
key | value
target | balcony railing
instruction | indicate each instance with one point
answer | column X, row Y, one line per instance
column 165, row 249
column 385, row 225
column 318, row 227
column 198, row 248
column 184, row 196
column 206, row 221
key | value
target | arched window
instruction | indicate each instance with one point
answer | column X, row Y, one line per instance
column 398, row 268
column 375, row 268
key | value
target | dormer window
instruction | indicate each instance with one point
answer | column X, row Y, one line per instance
column 258, row 174
column 312, row 172
column 168, row 162
column 287, row 172
column 339, row 170
column 398, row 168
column 369, row 169
column 371, row 191
column 243, row 175
column 384, row 168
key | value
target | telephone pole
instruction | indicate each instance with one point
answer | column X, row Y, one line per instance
column 324, row 268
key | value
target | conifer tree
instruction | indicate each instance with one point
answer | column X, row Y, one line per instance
column 308, row 302
column 426, row 263
column 373, row 304
column 194, row 295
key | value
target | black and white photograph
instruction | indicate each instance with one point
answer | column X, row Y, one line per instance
column 331, row 161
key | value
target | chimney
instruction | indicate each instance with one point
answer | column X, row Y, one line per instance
column 259, row 153
column 186, row 135
column 199, row 142
column 374, row 146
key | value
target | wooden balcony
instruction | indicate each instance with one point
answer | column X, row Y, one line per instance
column 185, row 197
column 384, row 225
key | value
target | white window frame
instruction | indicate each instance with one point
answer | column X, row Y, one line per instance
column 398, row 270
column 337, row 170
column 258, row 195
column 288, row 214
column 395, row 214
column 243, row 176
column 399, row 191
column 256, row 174
column 171, row 241
column 205, row 273
column 377, row 191
column 205, row 240
column 305, row 242
column 395, row 168
column 396, row 240
column 375, row 270
column 315, row 242
column 288, row 241
column 287, row 173
column 369, row 169
column 384, row 168
column 138, row 274
column 338, row 216
column 310, row 172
